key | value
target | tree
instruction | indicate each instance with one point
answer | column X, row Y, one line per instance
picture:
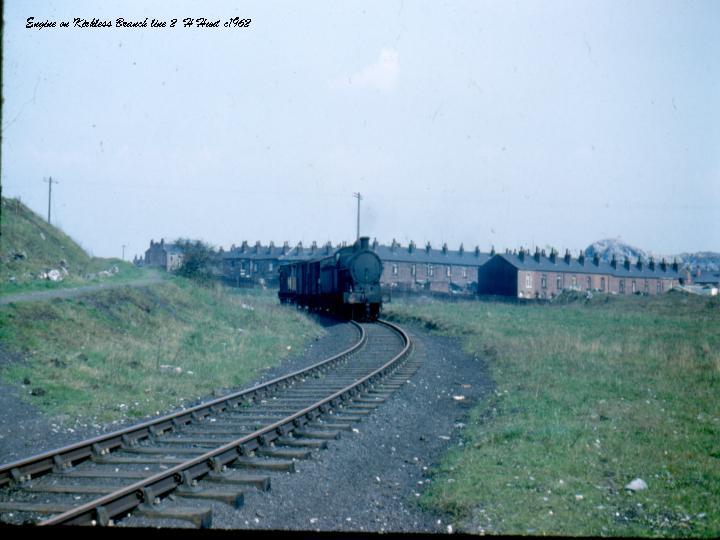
column 200, row 261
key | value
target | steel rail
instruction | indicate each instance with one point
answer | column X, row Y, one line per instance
column 63, row 457
column 102, row 510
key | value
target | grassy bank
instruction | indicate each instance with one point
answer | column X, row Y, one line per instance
column 589, row 396
column 100, row 356
column 29, row 246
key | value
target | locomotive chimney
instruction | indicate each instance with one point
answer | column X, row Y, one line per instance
column 364, row 243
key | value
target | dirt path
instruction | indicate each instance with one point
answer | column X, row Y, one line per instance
column 39, row 296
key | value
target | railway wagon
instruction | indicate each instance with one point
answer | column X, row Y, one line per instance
column 345, row 282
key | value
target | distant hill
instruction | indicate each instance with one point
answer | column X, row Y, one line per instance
column 706, row 260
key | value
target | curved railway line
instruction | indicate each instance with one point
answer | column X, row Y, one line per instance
column 211, row 451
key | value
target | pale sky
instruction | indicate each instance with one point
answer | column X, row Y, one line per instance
column 484, row 122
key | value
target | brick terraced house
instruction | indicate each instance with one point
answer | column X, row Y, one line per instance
column 407, row 269
column 525, row 275
column 258, row 264
column 162, row 255
column 404, row 268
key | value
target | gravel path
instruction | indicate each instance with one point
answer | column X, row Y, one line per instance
column 25, row 431
column 38, row 296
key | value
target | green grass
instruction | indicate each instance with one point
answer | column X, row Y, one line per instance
column 98, row 357
column 588, row 397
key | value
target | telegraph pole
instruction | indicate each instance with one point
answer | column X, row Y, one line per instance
column 49, row 183
column 359, row 198
column 123, row 255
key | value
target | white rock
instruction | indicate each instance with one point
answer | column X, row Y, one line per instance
column 54, row 275
column 637, row 485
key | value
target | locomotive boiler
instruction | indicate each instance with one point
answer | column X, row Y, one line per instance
column 345, row 282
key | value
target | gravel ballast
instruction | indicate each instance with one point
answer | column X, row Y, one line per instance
column 370, row 479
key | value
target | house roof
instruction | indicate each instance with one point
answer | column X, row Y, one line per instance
column 589, row 265
column 707, row 276
column 423, row 255
column 392, row 253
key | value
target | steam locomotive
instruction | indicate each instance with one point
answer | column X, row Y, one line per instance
column 346, row 283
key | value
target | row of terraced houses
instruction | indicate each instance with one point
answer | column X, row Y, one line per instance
column 406, row 269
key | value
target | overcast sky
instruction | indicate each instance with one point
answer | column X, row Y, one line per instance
column 488, row 123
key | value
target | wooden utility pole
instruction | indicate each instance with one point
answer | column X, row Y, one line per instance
column 359, row 198
column 123, row 255
column 49, row 183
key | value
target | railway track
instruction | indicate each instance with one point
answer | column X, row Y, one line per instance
column 214, row 451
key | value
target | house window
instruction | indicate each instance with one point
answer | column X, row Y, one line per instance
column 430, row 270
column 447, row 271
column 574, row 282
column 270, row 267
column 559, row 281
column 602, row 283
column 413, row 270
column 395, row 269
column 528, row 280
column 464, row 272
column 543, row 281
column 634, row 286
column 622, row 286
column 589, row 283
column 646, row 286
